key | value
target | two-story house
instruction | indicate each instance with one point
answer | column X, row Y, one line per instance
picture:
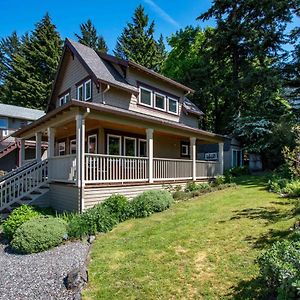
column 113, row 126
column 12, row 118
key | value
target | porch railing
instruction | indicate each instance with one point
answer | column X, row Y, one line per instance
column 110, row 168
column 63, row 168
column 207, row 169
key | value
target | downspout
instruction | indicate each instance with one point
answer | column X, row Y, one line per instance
column 82, row 171
column 104, row 92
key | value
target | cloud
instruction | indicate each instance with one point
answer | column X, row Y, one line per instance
column 162, row 13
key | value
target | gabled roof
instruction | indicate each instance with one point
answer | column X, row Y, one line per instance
column 191, row 108
column 19, row 112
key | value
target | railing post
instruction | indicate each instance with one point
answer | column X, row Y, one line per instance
column 38, row 146
column 22, row 152
column 221, row 158
column 149, row 133
column 193, row 156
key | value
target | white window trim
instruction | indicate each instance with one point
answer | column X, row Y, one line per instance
column 120, row 143
column 186, row 147
column 240, row 157
column 77, row 92
column 93, row 136
column 154, row 101
column 151, row 97
column 124, row 144
column 65, row 97
column 177, row 106
column 139, row 150
column 85, row 84
column 71, row 141
column 64, row 148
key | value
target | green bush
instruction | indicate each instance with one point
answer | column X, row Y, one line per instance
column 239, row 171
column 193, row 186
column 39, row 234
column 280, row 269
column 292, row 189
column 96, row 219
column 118, row 206
column 220, row 179
column 277, row 184
column 149, row 202
column 19, row 216
column 180, row 195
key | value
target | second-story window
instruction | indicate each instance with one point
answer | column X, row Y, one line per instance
column 145, row 96
column 172, row 106
column 80, row 92
column 88, row 90
column 84, row 90
column 64, row 99
column 159, row 101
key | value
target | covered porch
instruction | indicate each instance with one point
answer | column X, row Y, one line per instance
column 93, row 144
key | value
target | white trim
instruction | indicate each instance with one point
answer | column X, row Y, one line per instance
column 85, row 89
column 71, row 141
column 154, row 101
column 77, row 92
column 186, row 147
column 177, row 106
column 120, row 143
column 96, row 142
column 124, row 145
column 65, row 100
column 139, row 145
column 238, row 157
column 151, row 96
column 64, row 148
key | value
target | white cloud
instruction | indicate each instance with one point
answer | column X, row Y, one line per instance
column 162, row 13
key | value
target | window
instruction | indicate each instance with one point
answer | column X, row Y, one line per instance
column 61, row 148
column 172, row 106
column 64, row 99
column 236, row 158
column 113, row 144
column 92, row 143
column 145, row 96
column 185, row 149
column 88, row 90
column 73, row 147
column 3, row 123
column 159, row 101
column 129, row 146
column 142, row 148
column 80, row 92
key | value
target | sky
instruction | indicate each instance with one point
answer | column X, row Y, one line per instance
column 109, row 17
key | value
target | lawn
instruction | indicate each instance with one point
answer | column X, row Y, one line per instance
column 204, row 248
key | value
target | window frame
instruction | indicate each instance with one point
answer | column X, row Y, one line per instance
column 77, row 92
column 139, row 146
column 154, row 101
column 124, row 145
column 70, row 148
column 64, row 146
column 140, row 96
column 85, row 89
column 177, row 106
column 96, row 143
column 187, row 146
column 63, row 99
column 239, row 157
column 120, row 144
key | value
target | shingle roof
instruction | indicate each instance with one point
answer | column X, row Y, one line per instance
column 102, row 69
column 19, row 112
column 190, row 107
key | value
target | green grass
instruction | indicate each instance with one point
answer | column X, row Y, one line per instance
column 204, row 248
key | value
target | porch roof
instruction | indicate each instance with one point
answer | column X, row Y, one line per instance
column 98, row 107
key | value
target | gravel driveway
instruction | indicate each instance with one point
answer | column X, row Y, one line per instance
column 41, row 275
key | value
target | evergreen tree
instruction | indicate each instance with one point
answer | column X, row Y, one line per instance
column 34, row 66
column 90, row 38
column 137, row 42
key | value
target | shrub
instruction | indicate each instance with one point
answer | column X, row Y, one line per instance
column 239, row 171
column 19, row 216
column 149, row 202
column 191, row 186
column 292, row 188
column 180, row 195
column 220, row 179
column 118, row 206
column 96, row 219
column 280, row 268
column 39, row 234
column 277, row 184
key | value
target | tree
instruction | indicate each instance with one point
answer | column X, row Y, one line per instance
column 34, row 66
column 90, row 37
column 137, row 42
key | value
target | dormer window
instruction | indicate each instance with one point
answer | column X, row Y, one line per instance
column 84, row 90
column 80, row 92
column 145, row 96
column 88, row 90
column 160, row 101
column 64, row 99
column 172, row 106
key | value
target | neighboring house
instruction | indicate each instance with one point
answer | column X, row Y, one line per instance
column 13, row 118
column 112, row 126
column 292, row 94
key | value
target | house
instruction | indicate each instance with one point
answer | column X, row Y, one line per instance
column 112, row 126
column 13, row 118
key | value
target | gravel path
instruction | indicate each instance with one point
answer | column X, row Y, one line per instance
column 41, row 275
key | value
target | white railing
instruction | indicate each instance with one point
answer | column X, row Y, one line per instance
column 24, row 182
column 170, row 169
column 63, row 168
column 111, row 168
column 207, row 169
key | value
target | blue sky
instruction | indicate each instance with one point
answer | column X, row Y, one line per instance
column 109, row 17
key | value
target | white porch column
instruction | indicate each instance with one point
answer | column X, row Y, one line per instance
column 149, row 133
column 80, row 149
column 221, row 158
column 22, row 152
column 193, row 153
column 38, row 146
column 51, row 142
